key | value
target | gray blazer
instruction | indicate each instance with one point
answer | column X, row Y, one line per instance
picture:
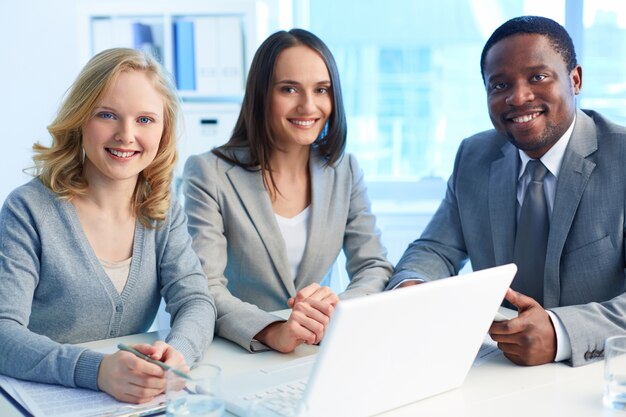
column 237, row 238
column 584, row 270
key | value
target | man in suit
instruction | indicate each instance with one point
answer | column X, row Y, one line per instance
column 569, row 289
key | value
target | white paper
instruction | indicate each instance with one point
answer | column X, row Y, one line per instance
column 59, row 401
column 488, row 350
column 48, row 400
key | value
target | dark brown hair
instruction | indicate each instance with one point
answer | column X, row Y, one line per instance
column 252, row 130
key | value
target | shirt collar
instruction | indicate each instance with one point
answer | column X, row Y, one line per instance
column 552, row 159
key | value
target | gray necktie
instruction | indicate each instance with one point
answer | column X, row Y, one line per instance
column 531, row 239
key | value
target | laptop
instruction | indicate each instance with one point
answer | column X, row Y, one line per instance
column 382, row 351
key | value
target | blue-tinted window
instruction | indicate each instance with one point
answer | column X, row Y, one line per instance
column 604, row 58
column 412, row 87
column 411, row 77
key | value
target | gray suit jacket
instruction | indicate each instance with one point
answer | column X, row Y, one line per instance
column 584, row 270
column 243, row 253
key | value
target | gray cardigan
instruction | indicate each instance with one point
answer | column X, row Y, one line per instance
column 54, row 292
column 243, row 253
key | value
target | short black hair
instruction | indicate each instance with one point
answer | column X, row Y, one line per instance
column 556, row 34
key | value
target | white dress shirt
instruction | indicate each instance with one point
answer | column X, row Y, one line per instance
column 552, row 160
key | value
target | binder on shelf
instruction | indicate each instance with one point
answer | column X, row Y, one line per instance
column 142, row 34
column 143, row 40
column 206, row 48
column 184, row 55
column 203, row 46
column 230, row 55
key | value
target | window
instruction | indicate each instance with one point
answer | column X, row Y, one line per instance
column 412, row 87
column 410, row 80
column 603, row 58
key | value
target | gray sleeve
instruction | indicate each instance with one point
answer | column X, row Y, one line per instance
column 366, row 261
column 440, row 252
column 185, row 290
column 237, row 320
column 588, row 326
column 25, row 354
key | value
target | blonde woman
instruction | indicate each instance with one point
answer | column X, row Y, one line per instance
column 89, row 246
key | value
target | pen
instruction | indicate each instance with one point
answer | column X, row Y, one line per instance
column 137, row 411
column 135, row 352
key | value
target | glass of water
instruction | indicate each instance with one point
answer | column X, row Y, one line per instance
column 197, row 395
column 615, row 372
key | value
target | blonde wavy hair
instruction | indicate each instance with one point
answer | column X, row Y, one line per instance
column 60, row 166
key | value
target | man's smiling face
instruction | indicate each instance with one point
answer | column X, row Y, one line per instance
column 530, row 92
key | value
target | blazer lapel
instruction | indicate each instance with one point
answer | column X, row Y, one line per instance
column 573, row 177
column 250, row 188
column 321, row 196
column 503, row 203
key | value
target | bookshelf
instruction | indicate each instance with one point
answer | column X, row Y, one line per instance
column 211, row 42
column 206, row 45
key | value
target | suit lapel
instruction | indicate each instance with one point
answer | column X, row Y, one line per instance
column 503, row 204
column 573, row 177
column 321, row 196
column 250, row 188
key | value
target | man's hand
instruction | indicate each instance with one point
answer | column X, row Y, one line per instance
column 409, row 283
column 528, row 339
column 312, row 308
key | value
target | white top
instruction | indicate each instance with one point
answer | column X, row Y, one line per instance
column 117, row 272
column 552, row 160
column 295, row 231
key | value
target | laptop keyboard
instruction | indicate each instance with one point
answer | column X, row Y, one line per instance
column 284, row 400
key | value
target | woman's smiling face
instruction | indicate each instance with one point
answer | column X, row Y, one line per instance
column 123, row 134
column 301, row 97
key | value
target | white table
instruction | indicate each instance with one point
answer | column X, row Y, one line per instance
column 495, row 388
